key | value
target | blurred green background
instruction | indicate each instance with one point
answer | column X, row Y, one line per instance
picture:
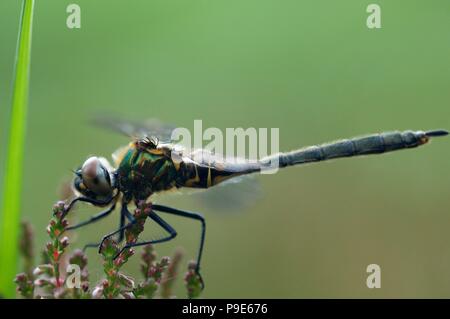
column 311, row 68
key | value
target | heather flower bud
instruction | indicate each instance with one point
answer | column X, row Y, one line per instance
column 126, row 281
column 38, row 271
column 128, row 295
column 85, row 286
column 65, row 242
column 97, row 293
column 20, row 277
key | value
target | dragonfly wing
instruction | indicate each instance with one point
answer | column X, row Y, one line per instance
column 204, row 169
column 136, row 129
column 206, row 158
column 232, row 196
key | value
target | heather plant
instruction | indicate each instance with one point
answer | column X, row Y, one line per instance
column 49, row 279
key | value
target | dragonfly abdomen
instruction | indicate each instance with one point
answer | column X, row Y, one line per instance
column 206, row 174
column 372, row 144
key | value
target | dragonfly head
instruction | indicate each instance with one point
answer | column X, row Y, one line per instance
column 95, row 179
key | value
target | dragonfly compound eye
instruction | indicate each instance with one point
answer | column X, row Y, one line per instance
column 94, row 177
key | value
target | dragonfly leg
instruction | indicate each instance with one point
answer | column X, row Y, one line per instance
column 119, row 231
column 192, row 215
column 124, row 214
column 90, row 245
column 94, row 218
column 87, row 200
column 161, row 222
column 127, row 214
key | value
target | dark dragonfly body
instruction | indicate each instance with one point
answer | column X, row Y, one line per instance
column 365, row 145
column 145, row 167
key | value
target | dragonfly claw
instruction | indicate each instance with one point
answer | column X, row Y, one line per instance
column 202, row 283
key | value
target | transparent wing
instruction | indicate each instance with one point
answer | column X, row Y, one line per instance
column 206, row 158
column 135, row 129
column 231, row 196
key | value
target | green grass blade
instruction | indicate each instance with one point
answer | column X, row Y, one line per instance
column 10, row 209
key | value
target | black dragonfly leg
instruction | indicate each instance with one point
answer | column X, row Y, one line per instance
column 127, row 214
column 118, row 231
column 86, row 200
column 161, row 222
column 124, row 214
column 196, row 216
column 94, row 218
column 90, row 245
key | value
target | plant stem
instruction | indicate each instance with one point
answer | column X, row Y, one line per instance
column 26, row 248
column 13, row 173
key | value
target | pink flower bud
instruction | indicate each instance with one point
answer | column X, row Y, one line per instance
column 97, row 293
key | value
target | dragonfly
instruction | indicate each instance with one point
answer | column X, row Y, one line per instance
column 151, row 163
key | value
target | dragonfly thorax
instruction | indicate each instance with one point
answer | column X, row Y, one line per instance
column 143, row 171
